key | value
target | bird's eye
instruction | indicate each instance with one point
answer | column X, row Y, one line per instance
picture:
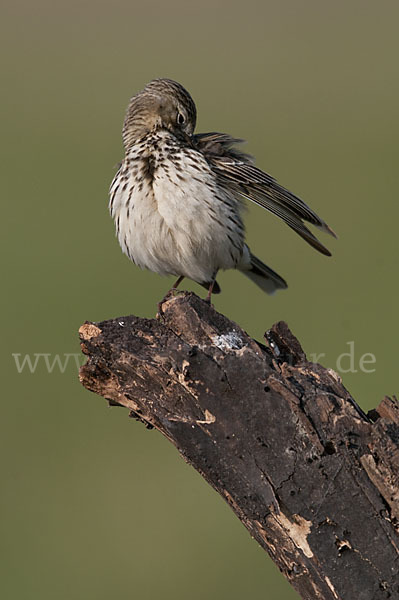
column 180, row 119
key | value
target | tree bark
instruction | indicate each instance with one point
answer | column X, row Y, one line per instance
column 312, row 477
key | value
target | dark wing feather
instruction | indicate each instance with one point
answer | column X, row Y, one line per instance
column 238, row 173
column 215, row 144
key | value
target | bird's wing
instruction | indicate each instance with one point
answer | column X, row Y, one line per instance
column 220, row 145
column 237, row 172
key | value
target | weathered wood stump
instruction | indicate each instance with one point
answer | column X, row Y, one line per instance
column 313, row 478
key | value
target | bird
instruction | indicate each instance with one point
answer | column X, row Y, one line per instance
column 178, row 197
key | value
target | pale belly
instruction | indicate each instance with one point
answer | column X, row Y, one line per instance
column 178, row 224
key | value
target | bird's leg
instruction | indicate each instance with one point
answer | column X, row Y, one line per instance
column 169, row 293
column 177, row 283
column 209, row 294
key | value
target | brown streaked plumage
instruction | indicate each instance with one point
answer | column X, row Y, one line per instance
column 177, row 198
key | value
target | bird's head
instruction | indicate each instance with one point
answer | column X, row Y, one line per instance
column 162, row 104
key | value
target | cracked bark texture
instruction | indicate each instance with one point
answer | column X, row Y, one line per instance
column 313, row 478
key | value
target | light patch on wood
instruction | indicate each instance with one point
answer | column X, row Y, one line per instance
column 87, row 331
column 184, row 366
column 233, row 503
column 209, row 417
column 181, row 378
column 330, row 585
column 382, row 482
column 335, row 375
column 298, row 530
column 228, row 341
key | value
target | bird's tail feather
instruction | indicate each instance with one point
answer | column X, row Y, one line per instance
column 264, row 277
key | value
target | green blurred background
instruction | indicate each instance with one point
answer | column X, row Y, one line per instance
column 94, row 506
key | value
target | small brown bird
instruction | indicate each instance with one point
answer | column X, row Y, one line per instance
column 177, row 198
